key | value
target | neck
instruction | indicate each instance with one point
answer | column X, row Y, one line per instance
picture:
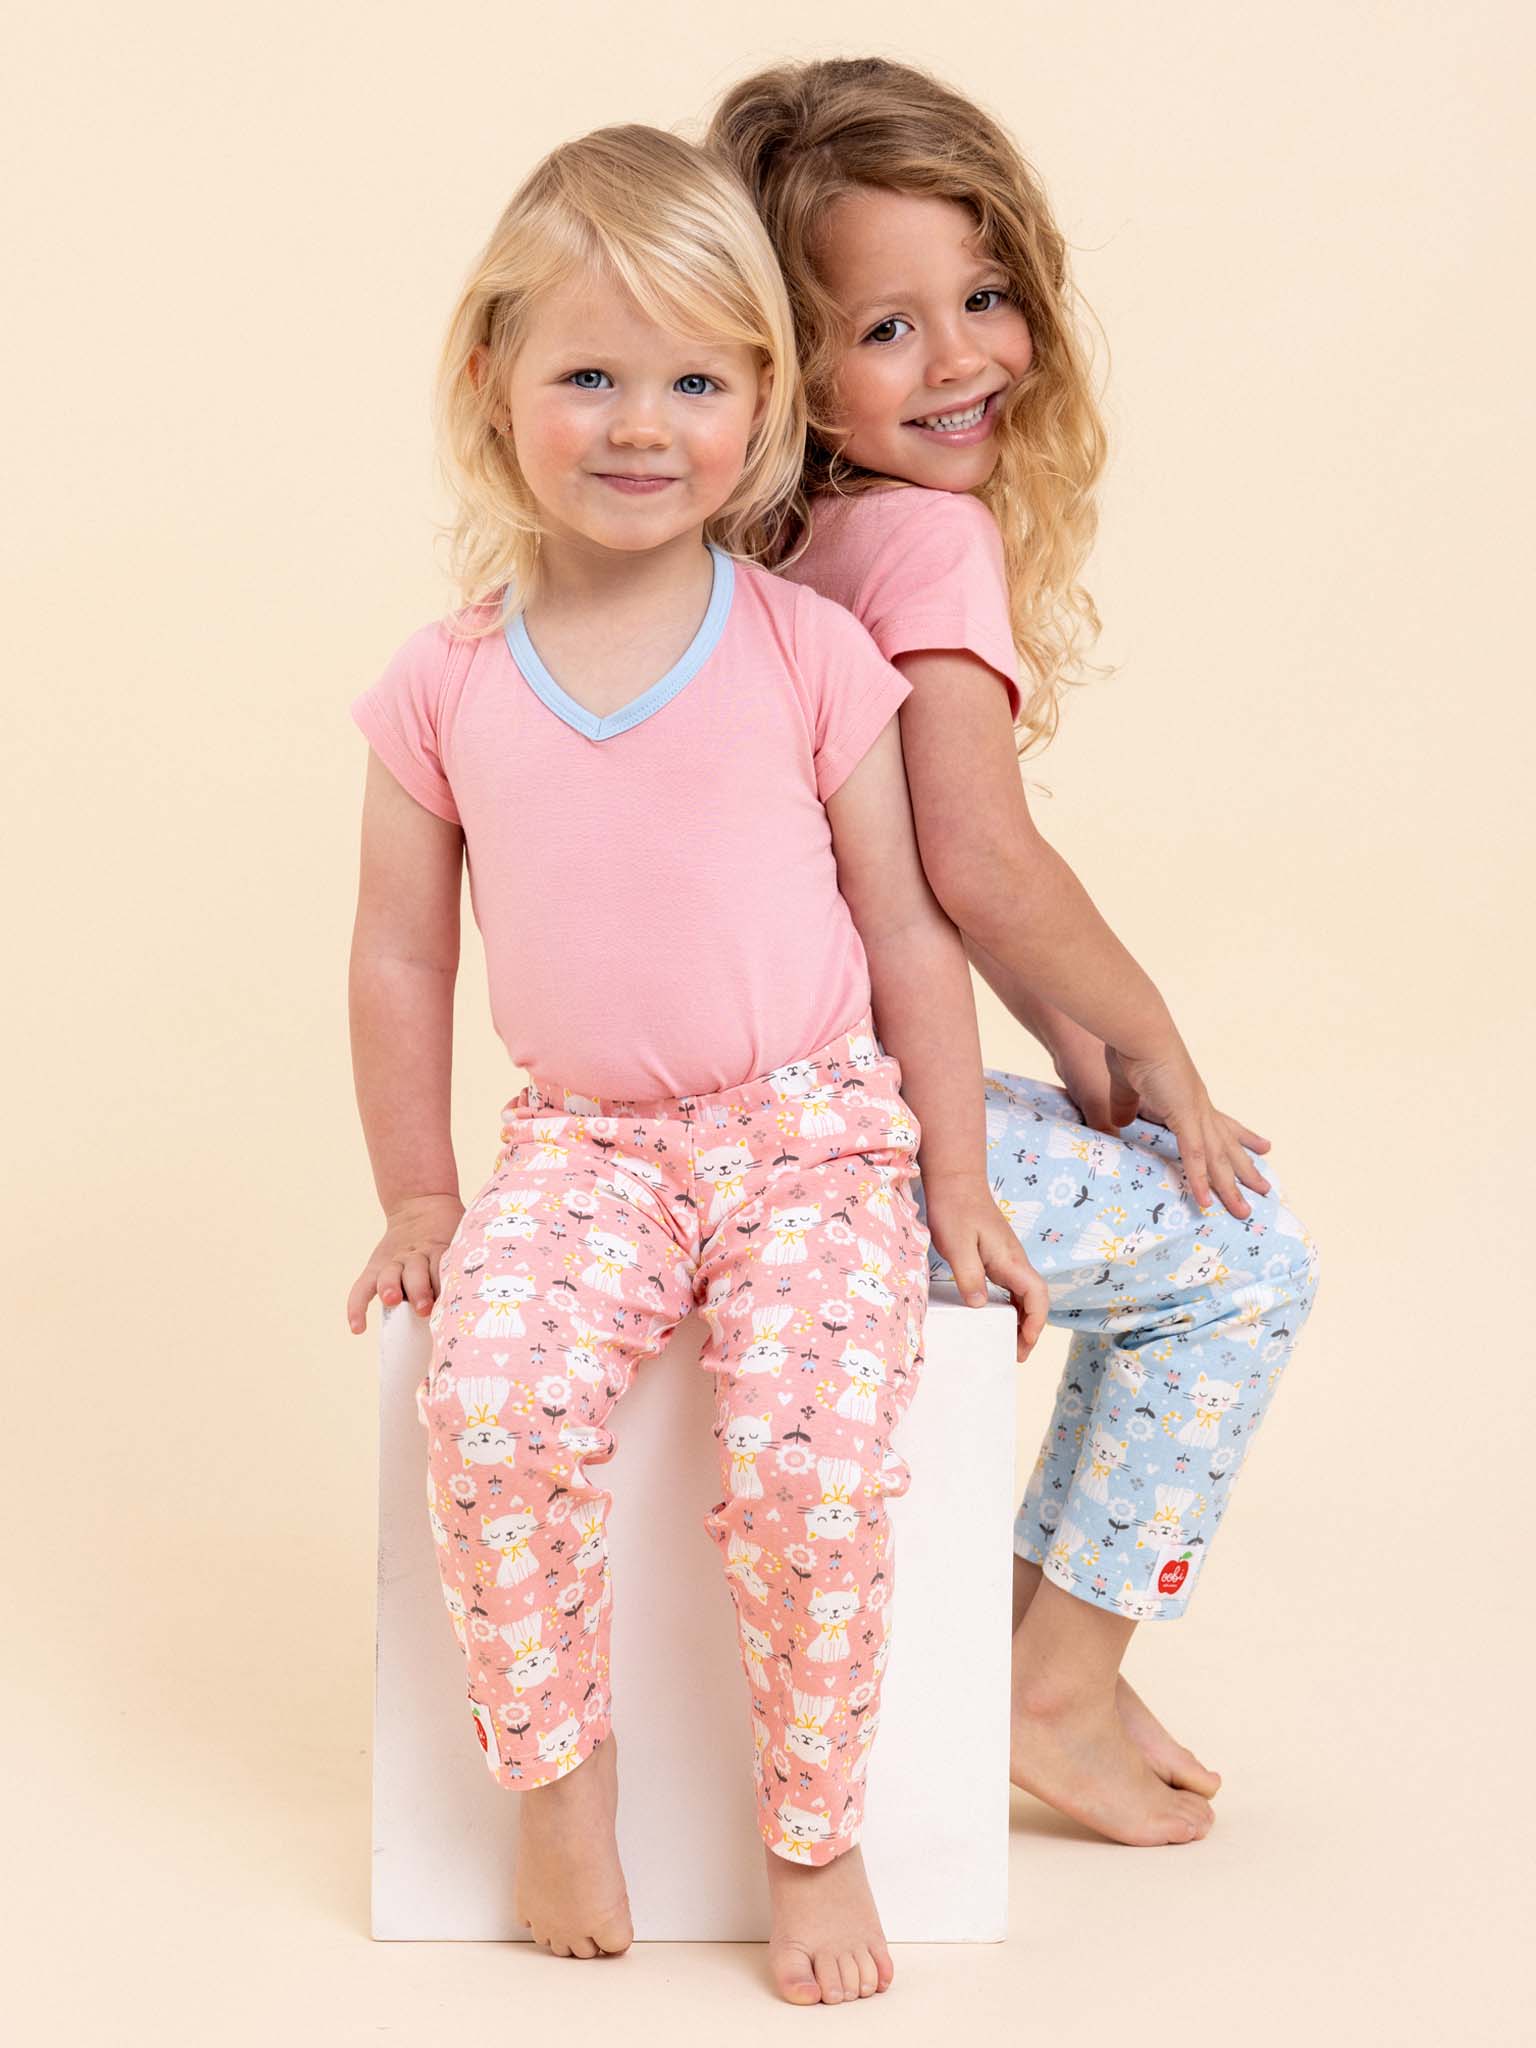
column 575, row 572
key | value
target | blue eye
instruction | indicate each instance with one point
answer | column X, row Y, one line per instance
column 585, row 373
column 695, row 377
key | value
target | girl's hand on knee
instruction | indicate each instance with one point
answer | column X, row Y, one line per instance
column 1214, row 1147
column 407, row 1260
column 977, row 1243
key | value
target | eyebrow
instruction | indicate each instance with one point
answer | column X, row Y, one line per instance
column 867, row 306
column 597, row 347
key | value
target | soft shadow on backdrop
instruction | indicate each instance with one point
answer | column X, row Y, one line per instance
column 234, row 243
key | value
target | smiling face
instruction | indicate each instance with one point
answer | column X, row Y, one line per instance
column 932, row 327
column 599, row 395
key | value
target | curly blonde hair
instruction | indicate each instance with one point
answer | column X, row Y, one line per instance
column 801, row 135
column 671, row 223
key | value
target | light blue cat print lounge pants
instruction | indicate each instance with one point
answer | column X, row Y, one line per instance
column 1182, row 1322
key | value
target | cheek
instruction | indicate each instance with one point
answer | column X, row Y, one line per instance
column 550, row 437
column 866, row 389
column 1021, row 347
column 717, row 447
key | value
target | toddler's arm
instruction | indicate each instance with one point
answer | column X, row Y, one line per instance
column 1034, row 930
column 405, row 958
column 926, row 1018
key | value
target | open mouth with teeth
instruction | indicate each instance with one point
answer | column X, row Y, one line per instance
column 955, row 422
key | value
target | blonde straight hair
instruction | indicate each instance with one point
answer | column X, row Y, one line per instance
column 677, row 229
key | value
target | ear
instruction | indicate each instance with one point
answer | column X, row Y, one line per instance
column 477, row 366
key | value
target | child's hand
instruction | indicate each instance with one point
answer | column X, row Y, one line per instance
column 975, row 1239
column 406, row 1260
column 1211, row 1143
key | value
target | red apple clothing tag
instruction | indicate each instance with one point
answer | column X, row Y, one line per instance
column 1173, row 1574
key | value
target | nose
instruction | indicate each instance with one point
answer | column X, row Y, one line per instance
column 639, row 425
column 953, row 357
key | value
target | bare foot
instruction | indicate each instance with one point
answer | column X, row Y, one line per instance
column 1173, row 1763
column 570, row 1883
column 1073, row 1751
column 826, row 1945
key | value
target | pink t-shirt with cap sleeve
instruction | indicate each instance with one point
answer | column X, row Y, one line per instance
column 656, row 889
column 919, row 569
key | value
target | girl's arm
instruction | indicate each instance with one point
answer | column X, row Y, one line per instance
column 405, row 959
column 926, row 1019
column 1032, row 925
column 1077, row 1055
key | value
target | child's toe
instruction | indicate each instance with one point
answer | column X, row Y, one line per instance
column 793, row 1976
column 829, row 1979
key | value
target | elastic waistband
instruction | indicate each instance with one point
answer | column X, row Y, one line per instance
column 849, row 1055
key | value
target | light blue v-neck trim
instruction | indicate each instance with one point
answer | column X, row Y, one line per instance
column 682, row 671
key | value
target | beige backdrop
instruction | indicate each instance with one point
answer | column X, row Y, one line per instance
column 233, row 239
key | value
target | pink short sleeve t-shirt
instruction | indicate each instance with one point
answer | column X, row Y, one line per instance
column 656, row 889
column 919, row 569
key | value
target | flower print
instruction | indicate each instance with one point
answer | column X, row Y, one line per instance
column 1122, row 1512
column 595, row 1708
column 602, row 1130
column 1221, row 1461
column 462, row 1487
column 876, row 1597
column 580, row 1205
column 1072, row 1403
column 835, row 1315
column 1099, row 1583
column 861, row 1696
column 482, row 1628
column 795, row 1458
column 553, row 1393
column 495, row 1483
column 837, row 1233
column 1050, row 1513
column 513, row 1715
column 1140, row 1427
column 801, row 1561
column 1061, row 1191
column 781, row 1765
column 559, row 1507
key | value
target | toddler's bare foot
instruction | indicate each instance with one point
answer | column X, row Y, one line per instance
column 826, row 1944
column 570, row 1883
column 1173, row 1763
column 1073, row 1751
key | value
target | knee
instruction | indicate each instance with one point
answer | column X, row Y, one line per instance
column 497, row 1435
column 1291, row 1260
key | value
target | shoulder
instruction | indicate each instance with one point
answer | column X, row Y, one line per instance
column 944, row 512
column 877, row 532
column 443, row 647
column 799, row 611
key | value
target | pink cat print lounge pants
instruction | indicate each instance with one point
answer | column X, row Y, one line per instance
column 784, row 1209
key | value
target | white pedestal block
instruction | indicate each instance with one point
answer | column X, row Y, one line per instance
column 936, row 1824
